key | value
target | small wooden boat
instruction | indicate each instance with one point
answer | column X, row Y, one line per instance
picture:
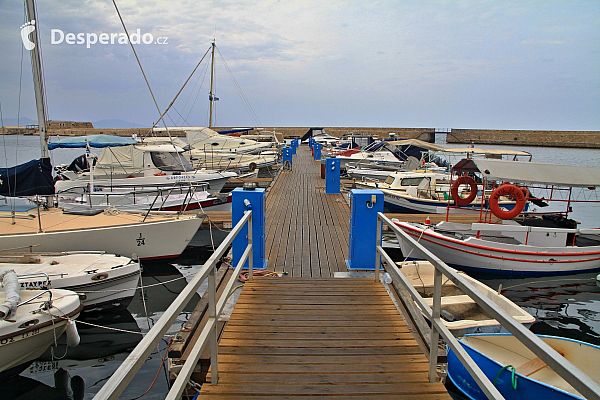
column 460, row 313
column 499, row 354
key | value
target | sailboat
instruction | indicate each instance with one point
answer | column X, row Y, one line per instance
column 139, row 236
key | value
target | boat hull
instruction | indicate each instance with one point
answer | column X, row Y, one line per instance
column 486, row 256
column 23, row 341
column 526, row 387
column 151, row 240
column 103, row 281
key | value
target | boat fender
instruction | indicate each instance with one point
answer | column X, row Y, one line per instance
column 72, row 334
column 507, row 189
column 464, row 180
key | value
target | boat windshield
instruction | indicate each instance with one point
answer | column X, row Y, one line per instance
column 171, row 161
column 413, row 181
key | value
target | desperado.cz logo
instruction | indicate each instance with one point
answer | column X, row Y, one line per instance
column 57, row 36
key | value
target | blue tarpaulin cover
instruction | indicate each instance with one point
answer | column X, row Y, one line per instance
column 33, row 177
column 93, row 141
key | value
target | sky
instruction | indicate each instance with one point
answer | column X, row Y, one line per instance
column 400, row 63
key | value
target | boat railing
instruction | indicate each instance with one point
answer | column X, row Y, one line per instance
column 132, row 364
column 574, row 376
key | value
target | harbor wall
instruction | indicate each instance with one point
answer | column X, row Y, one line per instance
column 585, row 139
column 516, row 138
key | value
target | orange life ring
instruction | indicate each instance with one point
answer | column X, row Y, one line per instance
column 422, row 162
column 525, row 192
column 508, row 190
column 464, row 180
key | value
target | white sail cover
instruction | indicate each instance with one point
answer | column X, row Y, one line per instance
column 11, row 293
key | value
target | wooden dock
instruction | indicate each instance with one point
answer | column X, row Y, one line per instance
column 307, row 333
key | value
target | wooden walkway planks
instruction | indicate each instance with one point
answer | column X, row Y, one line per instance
column 306, row 230
column 319, row 337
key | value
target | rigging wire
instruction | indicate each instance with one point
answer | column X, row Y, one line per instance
column 240, row 92
column 143, row 73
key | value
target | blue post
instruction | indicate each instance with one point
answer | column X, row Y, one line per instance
column 317, row 154
column 332, row 176
column 311, row 142
column 287, row 159
column 256, row 199
column 294, row 144
column 365, row 204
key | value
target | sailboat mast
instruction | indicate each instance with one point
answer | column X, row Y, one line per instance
column 211, row 96
column 38, row 84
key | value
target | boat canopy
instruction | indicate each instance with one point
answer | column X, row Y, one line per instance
column 93, row 141
column 532, row 172
column 415, row 142
column 29, row 179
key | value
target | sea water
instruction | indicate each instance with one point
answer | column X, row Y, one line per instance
column 566, row 305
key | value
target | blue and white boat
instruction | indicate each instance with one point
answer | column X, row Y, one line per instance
column 516, row 371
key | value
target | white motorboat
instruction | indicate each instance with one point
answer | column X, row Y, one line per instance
column 460, row 313
column 31, row 321
column 552, row 244
column 143, row 166
column 170, row 198
column 103, row 281
column 430, row 192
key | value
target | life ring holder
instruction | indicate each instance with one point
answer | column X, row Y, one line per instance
column 507, row 189
column 464, row 180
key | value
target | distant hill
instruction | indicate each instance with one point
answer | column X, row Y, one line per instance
column 116, row 123
column 22, row 122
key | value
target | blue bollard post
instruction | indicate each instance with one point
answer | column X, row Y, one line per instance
column 332, row 176
column 317, row 153
column 365, row 204
column 287, row 159
column 256, row 199
column 311, row 142
column 294, row 144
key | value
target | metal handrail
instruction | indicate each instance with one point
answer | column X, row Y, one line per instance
column 585, row 385
column 126, row 372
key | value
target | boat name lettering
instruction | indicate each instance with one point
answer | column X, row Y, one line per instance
column 7, row 341
column 43, row 366
column 34, row 284
column 179, row 177
column 30, row 333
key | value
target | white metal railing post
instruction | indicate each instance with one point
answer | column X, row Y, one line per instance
column 378, row 229
column 212, row 322
column 435, row 316
column 250, row 245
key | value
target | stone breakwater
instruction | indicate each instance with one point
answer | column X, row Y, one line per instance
column 583, row 139
column 516, row 138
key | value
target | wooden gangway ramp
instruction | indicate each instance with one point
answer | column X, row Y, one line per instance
column 335, row 337
column 308, row 334
column 306, row 230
